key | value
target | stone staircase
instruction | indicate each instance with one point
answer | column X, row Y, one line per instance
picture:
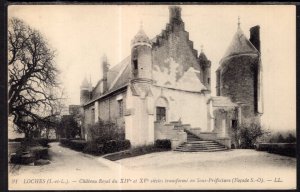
column 195, row 144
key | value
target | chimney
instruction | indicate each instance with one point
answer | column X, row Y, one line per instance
column 255, row 37
column 105, row 67
column 175, row 13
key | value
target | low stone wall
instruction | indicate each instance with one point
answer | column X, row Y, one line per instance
column 172, row 132
column 208, row 135
column 224, row 141
column 181, row 138
column 195, row 131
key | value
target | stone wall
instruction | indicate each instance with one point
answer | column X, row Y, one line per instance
column 174, row 43
column 238, row 78
column 189, row 107
column 176, row 135
column 108, row 110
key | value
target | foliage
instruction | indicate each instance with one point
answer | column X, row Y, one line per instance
column 102, row 132
column 290, row 139
column 33, row 88
column 248, row 134
column 280, row 139
column 136, row 151
column 287, row 149
column 163, row 143
column 78, row 145
column 68, row 127
column 115, row 145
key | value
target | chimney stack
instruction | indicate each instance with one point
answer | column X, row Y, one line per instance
column 105, row 67
column 255, row 37
column 175, row 13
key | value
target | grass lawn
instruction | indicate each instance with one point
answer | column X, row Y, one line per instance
column 137, row 151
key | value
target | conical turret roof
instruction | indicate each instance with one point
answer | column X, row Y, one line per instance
column 85, row 83
column 140, row 38
column 240, row 45
column 202, row 56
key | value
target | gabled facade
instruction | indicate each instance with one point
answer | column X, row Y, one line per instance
column 160, row 90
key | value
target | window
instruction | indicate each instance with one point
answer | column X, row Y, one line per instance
column 160, row 114
column 120, row 103
column 234, row 124
column 135, row 64
column 208, row 80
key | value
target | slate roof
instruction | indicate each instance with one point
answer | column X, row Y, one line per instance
column 123, row 76
column 115, row 70
column 240, row 45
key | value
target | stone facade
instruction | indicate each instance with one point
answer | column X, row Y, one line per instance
column 164, row 83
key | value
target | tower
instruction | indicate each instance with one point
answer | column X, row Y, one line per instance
column 141, row 57
column 139, row 118
column 85, row 89
column 205, row 66
column 238, row 76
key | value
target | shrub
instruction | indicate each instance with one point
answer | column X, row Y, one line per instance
column 279, row 138
column 290, row 139
column 16, row 140
column 29, row 155
column 42, row 141
column 22, row 159
column 287, row 149
column 64, row 141
column 248, row 134
column 108, row 147
column 102, row 132
column 136, row 151
column 93, row 148
column 115, row 145
column 78, row 145
column 163, row 143
column 39, row 152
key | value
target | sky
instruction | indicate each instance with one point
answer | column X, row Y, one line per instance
column 82, row 34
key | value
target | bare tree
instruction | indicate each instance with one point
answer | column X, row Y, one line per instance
column 33, row 90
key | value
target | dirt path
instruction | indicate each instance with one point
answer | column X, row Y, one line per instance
column 65, row 161
column 164, row 170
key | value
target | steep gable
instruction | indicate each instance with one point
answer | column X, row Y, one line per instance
column 173, row 53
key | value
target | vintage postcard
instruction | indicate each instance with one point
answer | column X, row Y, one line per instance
column 151, row 97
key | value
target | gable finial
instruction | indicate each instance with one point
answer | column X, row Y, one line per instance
column 141, row 25
column 202, row 48
column 239, row 22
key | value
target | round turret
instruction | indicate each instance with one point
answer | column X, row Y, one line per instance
column 85, row 84
column 141, row 57
column 237, row 74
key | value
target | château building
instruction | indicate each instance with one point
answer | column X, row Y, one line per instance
column 162, row 90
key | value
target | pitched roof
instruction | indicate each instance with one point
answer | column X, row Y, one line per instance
column 123, row 76
column 240, row 45
column 115, row 70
